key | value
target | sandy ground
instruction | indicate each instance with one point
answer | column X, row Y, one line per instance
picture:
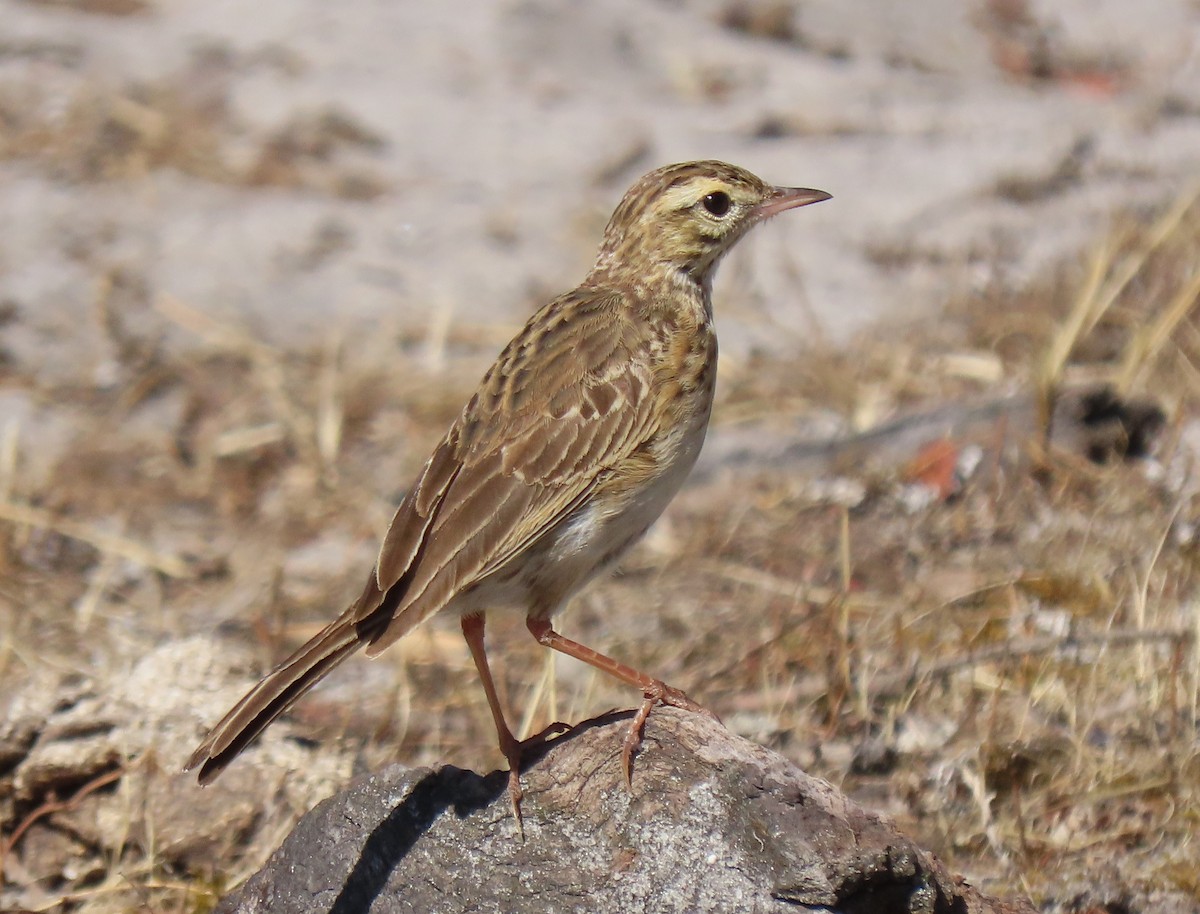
column 265, row 211
column 965, row 139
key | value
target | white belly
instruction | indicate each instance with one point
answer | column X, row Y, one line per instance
column 598, row 534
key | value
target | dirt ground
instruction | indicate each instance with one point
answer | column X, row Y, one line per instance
column 251, row 264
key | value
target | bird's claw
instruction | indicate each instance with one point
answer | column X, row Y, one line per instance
column 657, row 693
column 514, row 751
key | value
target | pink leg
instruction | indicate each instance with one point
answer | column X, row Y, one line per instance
column 654, row 691
column 472, row 628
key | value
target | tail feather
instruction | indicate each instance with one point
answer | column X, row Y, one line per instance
column 362, row 624
column 272, row 696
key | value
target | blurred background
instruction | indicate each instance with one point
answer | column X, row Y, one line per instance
column 941, row 546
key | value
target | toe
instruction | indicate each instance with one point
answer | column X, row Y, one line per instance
column 538, row 739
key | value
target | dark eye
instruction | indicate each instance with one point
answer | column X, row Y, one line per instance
column 717, row 202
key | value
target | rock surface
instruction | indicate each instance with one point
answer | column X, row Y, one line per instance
column 713, row 823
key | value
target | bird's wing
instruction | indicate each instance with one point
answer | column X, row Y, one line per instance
column 567, row 400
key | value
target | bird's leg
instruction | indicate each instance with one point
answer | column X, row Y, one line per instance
column 654, row 691
column 472, row 628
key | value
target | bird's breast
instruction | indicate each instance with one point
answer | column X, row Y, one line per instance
column 630, row 496
column 633, row 494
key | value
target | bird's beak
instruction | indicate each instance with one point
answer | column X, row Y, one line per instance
column 782, row 198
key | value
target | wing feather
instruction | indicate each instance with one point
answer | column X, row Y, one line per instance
column 567, row 401
column 410, row 524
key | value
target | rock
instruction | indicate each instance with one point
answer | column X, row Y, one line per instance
column 90, row 766
column 712, row 823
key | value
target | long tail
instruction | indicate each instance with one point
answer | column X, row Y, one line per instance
column 358, row 626
column 272, row 696
column 372, row 615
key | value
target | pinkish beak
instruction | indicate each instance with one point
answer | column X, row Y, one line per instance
column 782, row 198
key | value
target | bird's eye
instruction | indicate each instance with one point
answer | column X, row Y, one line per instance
column 717, row 202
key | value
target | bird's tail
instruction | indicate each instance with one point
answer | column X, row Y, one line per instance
column 274, row 695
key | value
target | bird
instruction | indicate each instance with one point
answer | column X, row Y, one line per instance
column 573, row 444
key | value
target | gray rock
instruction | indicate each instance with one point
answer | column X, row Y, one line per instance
column 712, row 823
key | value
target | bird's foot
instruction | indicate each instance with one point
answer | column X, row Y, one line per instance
column 558, row 728
column 514, row 750
column 656, row 693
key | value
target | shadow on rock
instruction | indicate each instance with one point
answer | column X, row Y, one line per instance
column 711, row 822
column 390, row 841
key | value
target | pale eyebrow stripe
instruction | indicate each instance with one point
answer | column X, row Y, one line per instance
column 684, row 194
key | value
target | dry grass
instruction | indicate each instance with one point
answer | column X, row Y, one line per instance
column 1012, row 673
column 96, row 132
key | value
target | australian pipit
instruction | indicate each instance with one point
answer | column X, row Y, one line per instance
column 575, row 441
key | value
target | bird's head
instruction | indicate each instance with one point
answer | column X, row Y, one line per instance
column 684, row 218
